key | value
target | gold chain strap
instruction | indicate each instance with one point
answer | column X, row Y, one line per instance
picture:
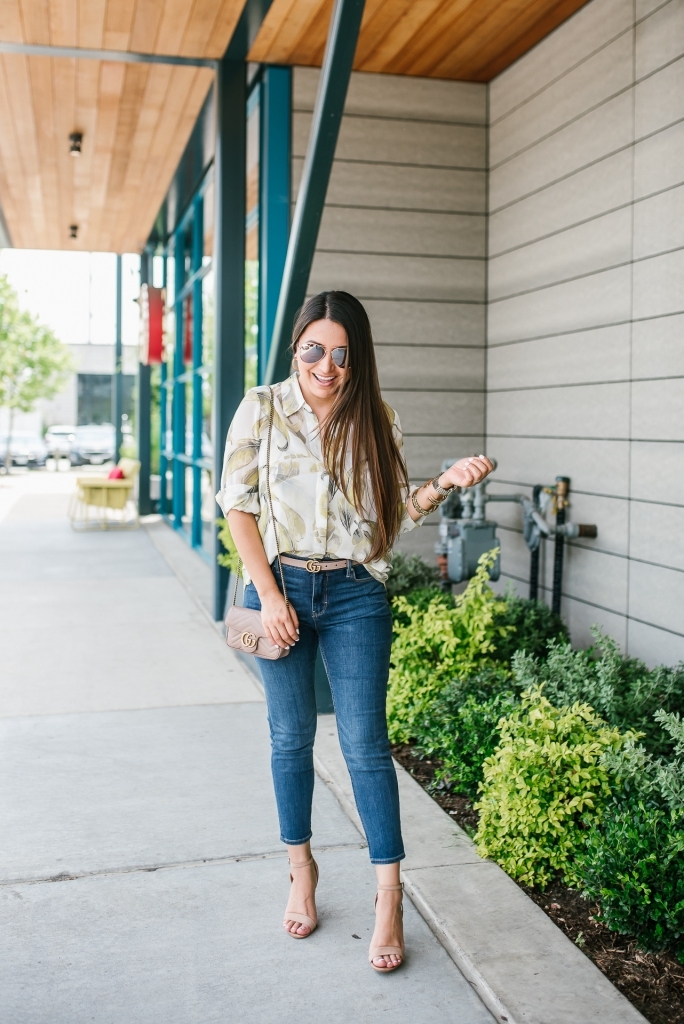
column 270, row 507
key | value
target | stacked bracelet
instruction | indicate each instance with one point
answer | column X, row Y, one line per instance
column 443, row 492
column 419, row 508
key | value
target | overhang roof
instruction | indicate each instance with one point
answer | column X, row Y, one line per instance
column 136, row 118
column 467, row 40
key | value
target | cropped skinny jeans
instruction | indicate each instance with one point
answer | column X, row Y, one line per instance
column 346, row 613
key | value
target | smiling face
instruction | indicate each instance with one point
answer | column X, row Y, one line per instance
column 322, row 381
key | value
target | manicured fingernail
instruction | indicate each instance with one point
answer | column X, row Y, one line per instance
column 297, row 630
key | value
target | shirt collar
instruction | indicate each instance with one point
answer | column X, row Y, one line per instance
column 291, row 397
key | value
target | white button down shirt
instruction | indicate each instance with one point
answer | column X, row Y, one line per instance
column 314, row 519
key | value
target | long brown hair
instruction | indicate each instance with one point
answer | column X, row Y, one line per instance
column 360, row 419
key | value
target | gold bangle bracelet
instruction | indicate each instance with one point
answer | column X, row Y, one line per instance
column 419, row 508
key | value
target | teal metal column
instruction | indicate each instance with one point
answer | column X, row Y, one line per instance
column 229, row 271
column 332, row 91
column 197, row 252
column 178, row 426
column 117, row 380
column 144, row 410
column 274, row 198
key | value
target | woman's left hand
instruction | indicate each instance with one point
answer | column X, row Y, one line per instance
column 467, row 472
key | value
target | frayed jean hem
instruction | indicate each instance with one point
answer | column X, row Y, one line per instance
column 389, row 860
column 296, row 842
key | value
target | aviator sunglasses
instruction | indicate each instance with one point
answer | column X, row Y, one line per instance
column 312, row 352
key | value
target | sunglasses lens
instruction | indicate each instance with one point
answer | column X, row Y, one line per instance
column 311, row 353
column 339, row 356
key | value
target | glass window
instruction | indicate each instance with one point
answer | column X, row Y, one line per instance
column 189, row 436
column 208, row 509
column 208, row 319
column 208, row 227
column 170, row 280
column 206, row 374
column 188, row 330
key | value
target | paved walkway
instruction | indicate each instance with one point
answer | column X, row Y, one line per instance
column 141, row 879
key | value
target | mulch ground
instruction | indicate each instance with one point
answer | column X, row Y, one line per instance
column 654, row 983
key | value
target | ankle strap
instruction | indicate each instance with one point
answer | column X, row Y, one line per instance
column 304, row 864
column 391, row 888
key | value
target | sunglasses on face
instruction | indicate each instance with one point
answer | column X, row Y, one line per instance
column 312, row 352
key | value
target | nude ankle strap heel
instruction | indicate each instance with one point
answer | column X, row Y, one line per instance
column 399, row 951
column 302, row 918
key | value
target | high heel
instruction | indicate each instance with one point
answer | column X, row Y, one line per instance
column 400, row 951
column 302, row 918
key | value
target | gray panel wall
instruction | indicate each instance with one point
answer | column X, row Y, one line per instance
column 404, row 229
column 585, row 355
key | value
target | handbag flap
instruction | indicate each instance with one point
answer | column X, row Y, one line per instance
column 245, row 632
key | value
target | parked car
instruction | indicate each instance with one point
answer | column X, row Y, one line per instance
column 59, row 440
column 26, row 449
column 93, row 445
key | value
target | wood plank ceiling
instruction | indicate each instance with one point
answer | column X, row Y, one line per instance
column 135, row 118
column 467, row 40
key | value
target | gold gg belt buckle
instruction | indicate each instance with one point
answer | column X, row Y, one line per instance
column 313, row 565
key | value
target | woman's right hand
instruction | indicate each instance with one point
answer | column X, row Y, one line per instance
column 279, row 619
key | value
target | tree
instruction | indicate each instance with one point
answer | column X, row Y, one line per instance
column 33, row 361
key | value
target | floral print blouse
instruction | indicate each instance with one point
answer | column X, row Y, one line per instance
column 313, row 517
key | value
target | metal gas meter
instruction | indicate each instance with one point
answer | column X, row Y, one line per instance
column 465, row 533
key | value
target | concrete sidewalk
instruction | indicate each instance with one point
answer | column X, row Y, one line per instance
column 141, row 876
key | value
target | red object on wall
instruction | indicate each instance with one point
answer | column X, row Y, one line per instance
column 151, row 324
column 187, row 333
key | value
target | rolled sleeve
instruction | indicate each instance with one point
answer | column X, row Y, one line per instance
column 240, row 477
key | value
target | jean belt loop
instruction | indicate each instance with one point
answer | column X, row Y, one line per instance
column 350, row 571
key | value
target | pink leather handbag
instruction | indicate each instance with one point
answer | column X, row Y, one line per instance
column 244, row 629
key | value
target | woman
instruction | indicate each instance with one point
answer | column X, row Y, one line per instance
column 340, row 500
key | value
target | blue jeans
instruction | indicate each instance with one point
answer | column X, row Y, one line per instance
column 345, row 611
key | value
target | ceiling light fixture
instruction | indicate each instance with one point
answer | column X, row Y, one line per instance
column 75, row 140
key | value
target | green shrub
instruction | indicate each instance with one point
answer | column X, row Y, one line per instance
column 533, row 625
column 410, row 572
column 229, row 557
column 633, row 865
column 542, row 785
column 436, row 639
column 622, row 690
column 461, row 732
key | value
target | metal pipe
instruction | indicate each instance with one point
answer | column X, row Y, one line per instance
column 562, row 488
column 534, row 553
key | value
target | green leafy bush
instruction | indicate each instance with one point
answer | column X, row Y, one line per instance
column 633, row 864
column 229, row 557
column 622, row 690
column 541, row 786
column 410, row 572
column 438, row 638
column 462, row 732
column 533, row 625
